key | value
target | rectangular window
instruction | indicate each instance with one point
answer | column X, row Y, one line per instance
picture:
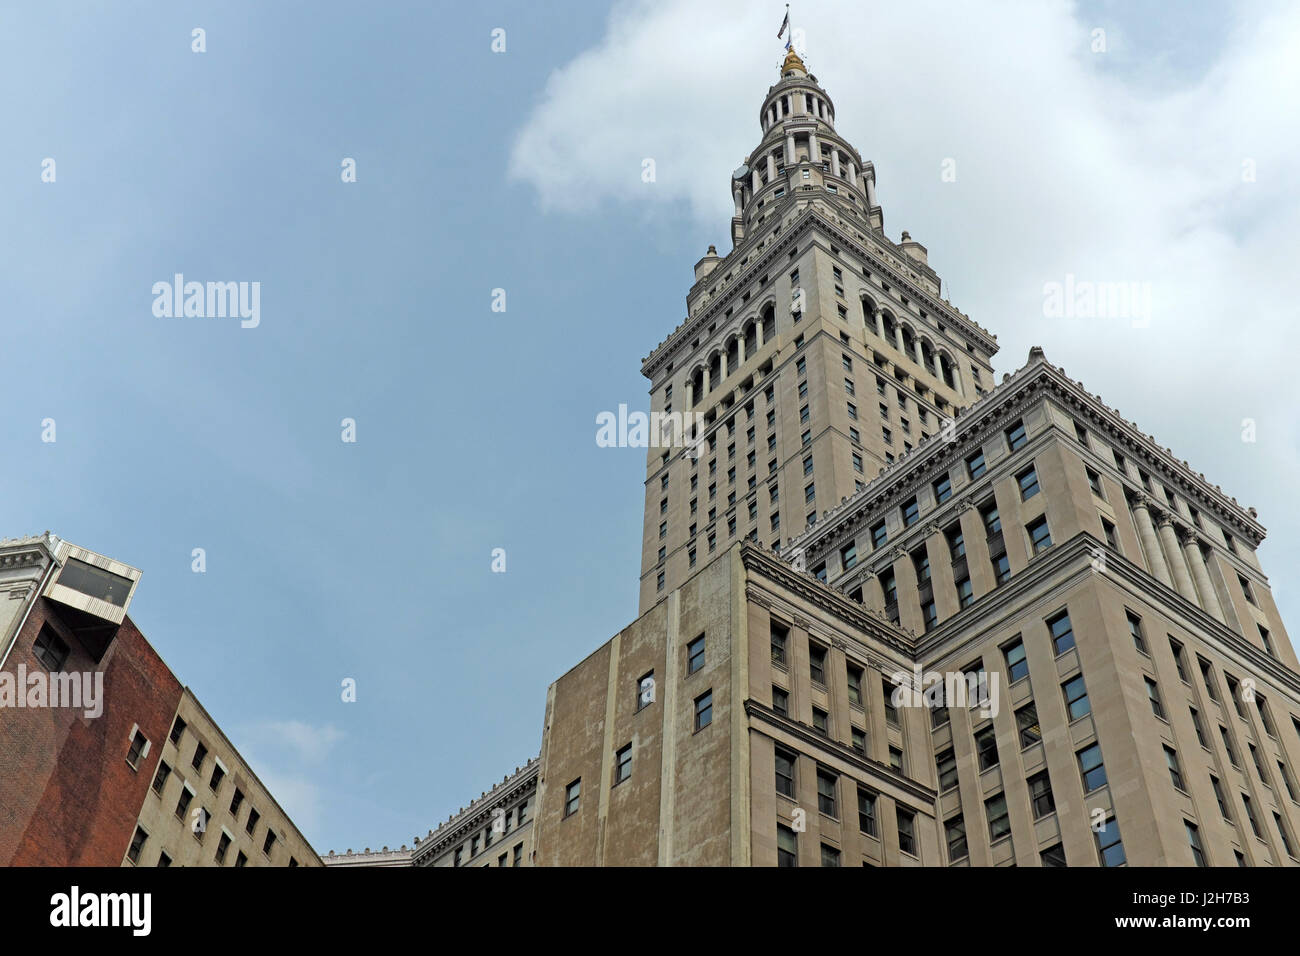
column 826, row 782
column 1016, row 437
column 1027, row 725
column 1017, row 665
column 139, row 744
column 160, row 777
column 1040, row 538
column 1091, row 768
column 956, row 542
column 1281, row 832
column 946, row 763
column 1028, row 481
column 855, row 685
column 975, row 465
column 253, row 817
column 780, row 701
column 780, row 641
column 787, row 847
column 911, row 513
column 1076, row 697
column 896, row 759
column 1194, row 841
column 891, row 712
column 992, row 520
column 50, row 649
column 1053, row 856
column 1250, row 815
column 817, row 663
column 859, row 739
column 830, row 855
column 622, row 764
column 704, row 710
column 995, row 808
column 200, row 752
column 1234, row 691
column 1109, row 846
column 986, row 745
column 907, row 831
column 1207, row 674
column 1175, row 772
column 1227, row 745
column 695, row 655
column 223, row 846
column 1135, row 630
column 878, row 535
column 1200, row 730
column 821, row 722
column 572, row 797
column 645, row 690
column 866, row 812
column 137, row 844
column 1062, row 632
column 955, row 832
column 1153, row 695
column 942, row 490
column 1040, row 795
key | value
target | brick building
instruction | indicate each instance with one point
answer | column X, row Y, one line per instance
column 92, row 767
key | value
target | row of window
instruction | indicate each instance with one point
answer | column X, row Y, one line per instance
column 490, row 835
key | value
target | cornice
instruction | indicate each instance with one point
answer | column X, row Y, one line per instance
column 479, row 812
column 980, row 421
column 831, row 600
column 874, row 768
column 670, row 346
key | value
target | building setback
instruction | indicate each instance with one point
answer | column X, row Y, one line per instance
column 104, row 785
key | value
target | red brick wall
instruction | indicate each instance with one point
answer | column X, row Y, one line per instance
column 67, row 795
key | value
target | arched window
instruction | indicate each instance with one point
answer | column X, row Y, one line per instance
column 909, row 343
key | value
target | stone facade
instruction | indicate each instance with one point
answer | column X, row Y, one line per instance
column 776, row 704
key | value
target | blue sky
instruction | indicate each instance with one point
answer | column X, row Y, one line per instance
column 475, row 428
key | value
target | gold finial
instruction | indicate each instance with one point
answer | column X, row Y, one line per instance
column 792, row 62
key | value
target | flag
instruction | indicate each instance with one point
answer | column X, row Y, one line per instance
column 784, row 26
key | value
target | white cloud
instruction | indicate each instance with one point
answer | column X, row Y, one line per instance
column 1066, row 163
column 304, row 742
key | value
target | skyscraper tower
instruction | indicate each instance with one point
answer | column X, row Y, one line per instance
column 897, row 614
column 813, row 324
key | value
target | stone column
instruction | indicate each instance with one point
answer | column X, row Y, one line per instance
column 835, row 161
column 1200, row 573
column 736, row 195
column 1150, row 545
column 814, row 150
column 871, row 190
column 740, row 349
column 853, row 175
column 690, row 393
column 789, row 149
column 771, row 168
column 1182, row 580
column 758, row 333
